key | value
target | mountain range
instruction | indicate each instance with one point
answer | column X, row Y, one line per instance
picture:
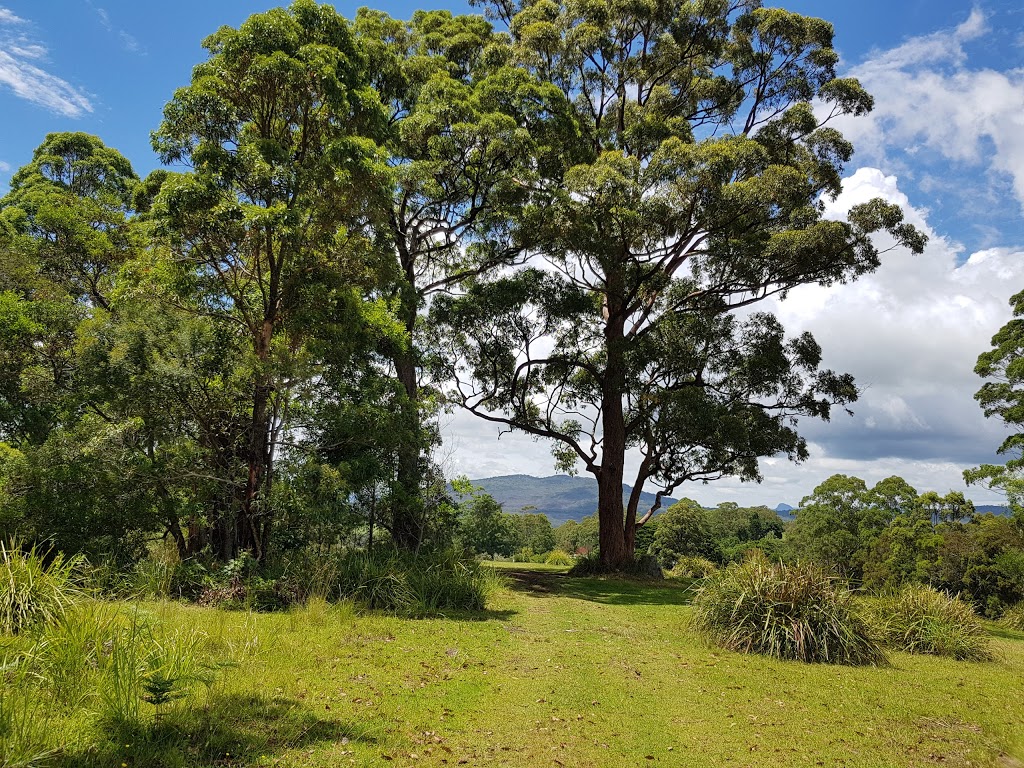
column 563, row 498
column 560, row 497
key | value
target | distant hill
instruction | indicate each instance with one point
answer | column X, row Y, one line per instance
column 786, row 512
column 560, row 497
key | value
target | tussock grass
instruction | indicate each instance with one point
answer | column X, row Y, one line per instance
column 797, row 612
column 423, row 585
column 1013, row 618
column 693, row 567
column 31, row 591
column 920, row 619
column 559, row 557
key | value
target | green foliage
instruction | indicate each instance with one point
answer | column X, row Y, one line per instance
column 24, row 726
column 559, row 557
column 1013, row 617
column 684, row 531
column 534, row 531
column 484, row 528
column 638, row 567
column 33, row 591
column 427, row 584
column 574, row 536
column 920, row 619
column 693, row 567
column 798, row 612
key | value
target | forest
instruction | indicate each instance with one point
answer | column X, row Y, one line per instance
column 221, row 387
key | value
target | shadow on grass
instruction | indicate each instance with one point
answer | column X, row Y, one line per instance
column 232, row 730
column 601, row 589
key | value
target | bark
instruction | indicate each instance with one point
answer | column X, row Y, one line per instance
column 406, row 521
column 616, row 545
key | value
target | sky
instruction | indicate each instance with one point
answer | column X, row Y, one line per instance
column 945, row 141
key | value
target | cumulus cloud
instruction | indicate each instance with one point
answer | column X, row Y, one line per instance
column 910, row 334
column 21, row 70
column 930, row 103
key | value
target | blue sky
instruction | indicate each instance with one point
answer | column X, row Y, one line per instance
column 946, row 141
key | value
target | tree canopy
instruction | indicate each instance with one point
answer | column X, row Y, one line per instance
column 679, row 179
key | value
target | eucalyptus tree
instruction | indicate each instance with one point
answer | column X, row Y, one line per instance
column 267, row 228
column 65, row 230
column 693, row 158
column 454, row 146
column 1002, row 397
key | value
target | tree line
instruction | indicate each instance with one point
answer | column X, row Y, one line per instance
column 548, row 215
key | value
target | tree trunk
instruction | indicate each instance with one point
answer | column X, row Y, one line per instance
column 616, row 546
column 407, row 528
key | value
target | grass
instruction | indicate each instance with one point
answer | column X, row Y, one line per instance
column 557, row 672
column 31, row 591
column 919, row 619
column 797, row 612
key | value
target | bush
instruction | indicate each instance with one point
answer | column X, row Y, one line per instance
column 923, row 620
column 796, row 612
column 693, row 567
column 388, row 581
column 559, row 557
column 32, row 592
column 1013, row 618
column 522, row 555
column 640, row 567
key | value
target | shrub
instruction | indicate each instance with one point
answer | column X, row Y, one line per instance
column 640, row 567
column 388, row 581
column 920, row 619
column 1013, row 618
column 693, row 567
column 522, row 555
column 559, row 557
column 798, row 612
column 32, row 592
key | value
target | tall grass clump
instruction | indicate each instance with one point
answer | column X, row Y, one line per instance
column 32, row 592
column 386, row 580
column 639, row 567
column 23, row 722
column 1013, row 618
column 559, row 557
column 920, row 619
column 797, row 612
column 693, row 567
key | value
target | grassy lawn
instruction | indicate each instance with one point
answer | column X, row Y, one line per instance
column 559, row 672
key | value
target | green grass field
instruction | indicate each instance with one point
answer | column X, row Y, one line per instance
column 558, row 672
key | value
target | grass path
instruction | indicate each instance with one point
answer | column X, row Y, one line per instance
column 571, row 672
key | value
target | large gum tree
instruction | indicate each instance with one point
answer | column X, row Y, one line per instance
column 694, row 158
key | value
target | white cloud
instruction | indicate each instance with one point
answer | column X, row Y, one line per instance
column 929, row 100
column 4, row 167
column 910, row 334
column 20, row 57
